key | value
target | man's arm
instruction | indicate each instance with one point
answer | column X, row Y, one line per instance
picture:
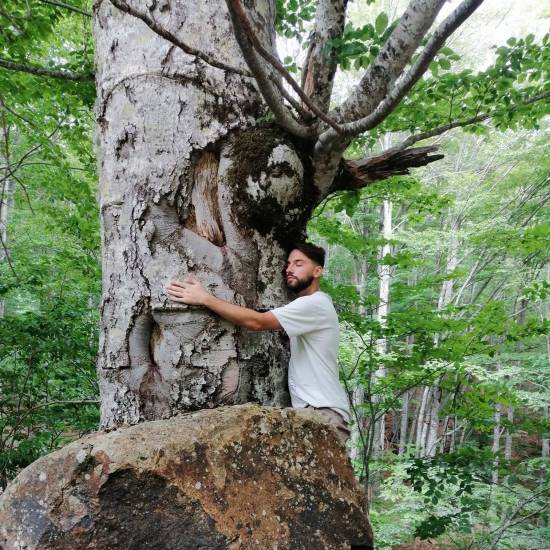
column 193, row 293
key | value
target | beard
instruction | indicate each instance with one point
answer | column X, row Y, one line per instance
column 297, row 285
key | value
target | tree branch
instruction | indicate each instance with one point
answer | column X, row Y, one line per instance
column 300, row 110
column 41, row 71
column 390, row 61
column 67, row 7
column 319, row 68
column 16, row 114
column 373, row 86
column 271, row 93
column 241, row 20
column 459, row 124
column 7, row 256
column 436, row 42
column 167, row 35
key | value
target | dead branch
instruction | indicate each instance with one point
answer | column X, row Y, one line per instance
column 356, row 174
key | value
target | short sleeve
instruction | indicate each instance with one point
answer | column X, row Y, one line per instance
column 300, row 316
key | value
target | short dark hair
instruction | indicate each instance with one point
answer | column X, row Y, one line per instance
column 313, row 252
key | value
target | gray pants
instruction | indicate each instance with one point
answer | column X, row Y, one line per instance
column 330, row 416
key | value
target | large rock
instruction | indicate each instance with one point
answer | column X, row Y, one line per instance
column 234, row 477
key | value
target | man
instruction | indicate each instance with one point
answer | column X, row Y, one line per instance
column 311, row 324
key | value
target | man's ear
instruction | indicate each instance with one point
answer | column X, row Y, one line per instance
column 318, row 271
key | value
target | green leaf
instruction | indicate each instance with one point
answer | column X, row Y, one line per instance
column 381, row 22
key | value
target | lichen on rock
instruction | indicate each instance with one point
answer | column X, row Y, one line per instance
column 234, row 477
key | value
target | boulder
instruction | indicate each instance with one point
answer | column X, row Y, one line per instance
column 234, row 477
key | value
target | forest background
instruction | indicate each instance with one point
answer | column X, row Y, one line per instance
column 440, row 278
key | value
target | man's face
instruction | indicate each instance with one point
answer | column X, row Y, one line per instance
column 300, row 271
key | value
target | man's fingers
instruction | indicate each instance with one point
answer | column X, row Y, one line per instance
column 176, row 284
column 175, row 293
column 174, row 289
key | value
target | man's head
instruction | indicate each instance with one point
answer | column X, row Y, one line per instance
column 304, row 266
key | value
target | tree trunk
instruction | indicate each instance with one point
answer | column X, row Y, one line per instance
column 189, row 184
column 7, row 189
column 496, row 443
column 421, row 423
column 384, row 274
column 404, row 423
column 433, row 425
column 445, row 297
column 546, row 416
column 508, row 439
column 545, row 447
column 358, row 431
column 6, row 202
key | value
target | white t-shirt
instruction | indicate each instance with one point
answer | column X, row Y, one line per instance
column 311, row 323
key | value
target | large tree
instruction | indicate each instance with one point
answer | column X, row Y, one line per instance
column 192, row 180
column 212, row 157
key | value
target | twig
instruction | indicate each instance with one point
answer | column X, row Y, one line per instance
column 67, row 7
column 460, row 123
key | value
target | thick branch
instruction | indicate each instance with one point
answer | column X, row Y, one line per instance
column 41, row 71
column 67, row 7
column 356, row 174
column 374, row 86
column 167, row 35
column 240, row 19
column 270, row 92
column 436, row 42
column 319, row 68
column 390, row 61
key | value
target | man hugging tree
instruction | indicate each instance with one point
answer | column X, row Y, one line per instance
column 310, row 322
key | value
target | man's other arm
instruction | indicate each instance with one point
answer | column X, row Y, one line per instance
column 192, row 292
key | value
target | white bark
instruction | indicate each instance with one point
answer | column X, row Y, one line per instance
column 508, row 440
column 320, row 66
column 384, row 275
column 404, row 423
column 188, row 186
column 421, row 423
column 496, row 443
column 433, row 423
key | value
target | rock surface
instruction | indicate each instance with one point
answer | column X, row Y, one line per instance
column 234, row 477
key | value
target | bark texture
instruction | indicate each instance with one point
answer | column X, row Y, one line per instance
column 231, row 478
column 190, row 183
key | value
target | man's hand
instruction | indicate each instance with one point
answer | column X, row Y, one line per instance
column 193, row 293
column 190, row 291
